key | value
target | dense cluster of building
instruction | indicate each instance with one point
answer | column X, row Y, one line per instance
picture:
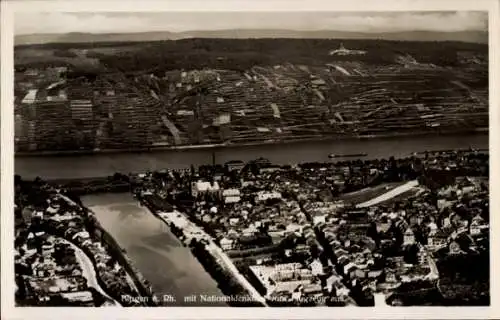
column 52, row 275
column 341, row 233
column 60, row 258
column 264, row 103
column 387, row 231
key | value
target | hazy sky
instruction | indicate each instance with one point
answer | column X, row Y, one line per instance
column 62, row 22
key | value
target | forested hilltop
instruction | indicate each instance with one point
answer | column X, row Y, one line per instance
column 241, row 54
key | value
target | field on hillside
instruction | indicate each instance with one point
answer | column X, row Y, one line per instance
column 205, row 91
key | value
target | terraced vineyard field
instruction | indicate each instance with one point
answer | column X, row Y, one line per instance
column 223, row 91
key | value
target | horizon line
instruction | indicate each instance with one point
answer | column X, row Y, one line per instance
column 248, row 29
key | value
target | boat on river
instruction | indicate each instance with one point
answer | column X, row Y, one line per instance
column 354, row 155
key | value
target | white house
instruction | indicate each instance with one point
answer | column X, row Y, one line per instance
column 436, row 238
column 342, row 51
column 232, row 199
column 319, row 219
column 348, row 267
column 446, row 222
column 292, row 227
column 265, row 195
column 231, row 195
column 201, row 187
column 316, row 267
column 422, row 256
column 231, row 192
column 235, row 165
column 222, row 119
column 409, row 237
column 80, row 296
column 342, row 292
column 82, row 234
column 39, row 233
column 477, row 225
column 226, row 244
column 251, row 230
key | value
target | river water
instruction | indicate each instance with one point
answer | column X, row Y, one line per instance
column 155, row 251
column 85, row 166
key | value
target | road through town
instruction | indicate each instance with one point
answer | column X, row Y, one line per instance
column 192, row 230
column 89, row 273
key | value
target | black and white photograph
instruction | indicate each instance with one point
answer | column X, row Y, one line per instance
column 264, row 159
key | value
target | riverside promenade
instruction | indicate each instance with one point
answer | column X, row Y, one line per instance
column 191, row 230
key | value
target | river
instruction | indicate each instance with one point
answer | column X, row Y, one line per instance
column 85, row 166
column 159, row 256
column 156, row 252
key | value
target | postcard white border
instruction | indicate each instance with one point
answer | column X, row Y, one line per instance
column 7, row 164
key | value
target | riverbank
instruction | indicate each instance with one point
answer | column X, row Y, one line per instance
column 84, row 166
column 138, row 282
column 191, row 232
column 169, row 267
column 215, row 146
column 89, row 273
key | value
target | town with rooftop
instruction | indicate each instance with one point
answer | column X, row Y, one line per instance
column 395, row 231
column 244, row 171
